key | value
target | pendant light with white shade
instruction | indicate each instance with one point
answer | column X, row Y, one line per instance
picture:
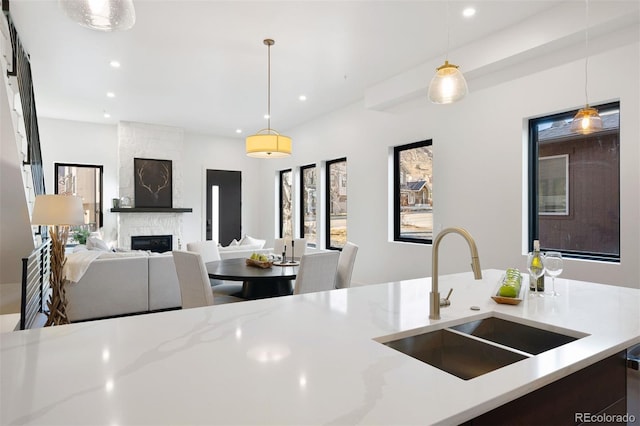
column 587, row 120
column 267, row 143
column 449, row 84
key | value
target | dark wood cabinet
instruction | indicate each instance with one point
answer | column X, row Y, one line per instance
column 597, row 389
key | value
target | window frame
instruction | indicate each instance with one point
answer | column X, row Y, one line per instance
column 327, row 224
column 303, row 203
column 532, row 184
column 396, row 192
column 280, row 201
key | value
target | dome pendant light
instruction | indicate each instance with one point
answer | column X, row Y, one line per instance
column 587, row 120
column 102, row 15
column 267, row 143
column 448, row 85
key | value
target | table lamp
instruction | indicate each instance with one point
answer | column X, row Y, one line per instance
column 58, row 212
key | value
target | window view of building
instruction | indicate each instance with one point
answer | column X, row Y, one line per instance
column 308, row 200
column 575, row 186
column 336, row 203
column 286, row 205
column 413, row 190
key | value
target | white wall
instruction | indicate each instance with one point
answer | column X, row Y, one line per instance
column 479, row 149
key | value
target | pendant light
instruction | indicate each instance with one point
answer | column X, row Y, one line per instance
column 267, row 143
column 448, row 85
column 587, row 120
column 102, row 15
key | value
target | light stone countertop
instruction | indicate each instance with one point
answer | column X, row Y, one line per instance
column 307, row 359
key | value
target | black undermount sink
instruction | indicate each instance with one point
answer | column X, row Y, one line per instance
column 478, row 347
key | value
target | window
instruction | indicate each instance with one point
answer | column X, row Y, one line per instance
column 413, row 189
column 336, row 203
column 574, row 186
column 85, row 181
column 286, row 212
column 308, row 200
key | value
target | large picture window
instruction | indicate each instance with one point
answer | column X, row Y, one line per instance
column 286, row 205
column 574, row 186
column 336, row 203
column 413, row 192
column 308, row 200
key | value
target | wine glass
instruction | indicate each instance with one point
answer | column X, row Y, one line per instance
column 553, row 266
column 535, row 266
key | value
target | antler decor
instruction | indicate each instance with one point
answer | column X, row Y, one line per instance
column 153, row 180
column 165, row 180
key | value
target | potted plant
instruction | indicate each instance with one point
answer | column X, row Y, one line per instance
column 81, row 235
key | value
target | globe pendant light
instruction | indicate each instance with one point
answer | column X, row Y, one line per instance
column 587, row 120
column 102, row 15
column 448, row 85
column 267, row 143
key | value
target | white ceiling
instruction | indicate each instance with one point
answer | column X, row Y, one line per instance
column 202, row 65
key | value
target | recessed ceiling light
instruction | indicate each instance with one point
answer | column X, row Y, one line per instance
column 238, row 130
column 468, row 12
column 115, row 64
column 111, row 95
column 107, row 115
column 302, row 97
column 266, row 116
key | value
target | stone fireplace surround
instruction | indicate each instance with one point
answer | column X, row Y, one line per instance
column 138, row 140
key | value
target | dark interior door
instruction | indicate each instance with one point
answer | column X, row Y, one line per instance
column 229, row 185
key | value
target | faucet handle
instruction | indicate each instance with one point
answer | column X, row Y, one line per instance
column 445, row 301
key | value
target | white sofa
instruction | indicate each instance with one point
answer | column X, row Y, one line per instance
column 129, row 284
column 120, row 286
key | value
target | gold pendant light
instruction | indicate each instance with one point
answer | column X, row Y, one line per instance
column 267, row 143
column 587, row 120
column 448, row 85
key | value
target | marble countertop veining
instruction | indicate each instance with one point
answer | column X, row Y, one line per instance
column 307, row 359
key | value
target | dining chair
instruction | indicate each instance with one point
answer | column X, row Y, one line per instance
column 209, row 252
column 195, row 289
column 345, row 265
column 317, row 272
column 299, row 244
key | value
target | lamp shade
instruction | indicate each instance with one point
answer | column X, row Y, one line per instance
column 102, row 15
column 448, row 85
column 586, row 121
column 269, row 144
column 57, row 210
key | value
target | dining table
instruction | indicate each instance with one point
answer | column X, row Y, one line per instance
column 257, row 282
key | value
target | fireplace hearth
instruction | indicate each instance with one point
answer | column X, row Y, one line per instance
column 154, row 243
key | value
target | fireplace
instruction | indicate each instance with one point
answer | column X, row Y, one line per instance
column 155, row 243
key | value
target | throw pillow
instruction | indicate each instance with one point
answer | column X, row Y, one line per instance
column 234, row 243
column 250, row 241
column 95, row 243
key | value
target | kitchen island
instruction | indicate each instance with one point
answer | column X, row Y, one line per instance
column 305, row 359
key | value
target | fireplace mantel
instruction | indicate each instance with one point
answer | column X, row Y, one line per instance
column 151, row 210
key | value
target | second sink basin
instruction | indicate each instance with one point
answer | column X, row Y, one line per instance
column 525, row 338
column 458, row 355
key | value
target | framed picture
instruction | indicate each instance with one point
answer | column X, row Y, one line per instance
column 153, row 182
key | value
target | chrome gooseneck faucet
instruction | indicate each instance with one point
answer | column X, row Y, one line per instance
column 434, row 296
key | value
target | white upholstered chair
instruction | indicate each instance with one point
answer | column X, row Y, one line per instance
column 345, row 265
column 209, row 252
column 195, row 289
column 317, row 272
column 299, row 244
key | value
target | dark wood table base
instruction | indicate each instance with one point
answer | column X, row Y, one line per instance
column 264, row 289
